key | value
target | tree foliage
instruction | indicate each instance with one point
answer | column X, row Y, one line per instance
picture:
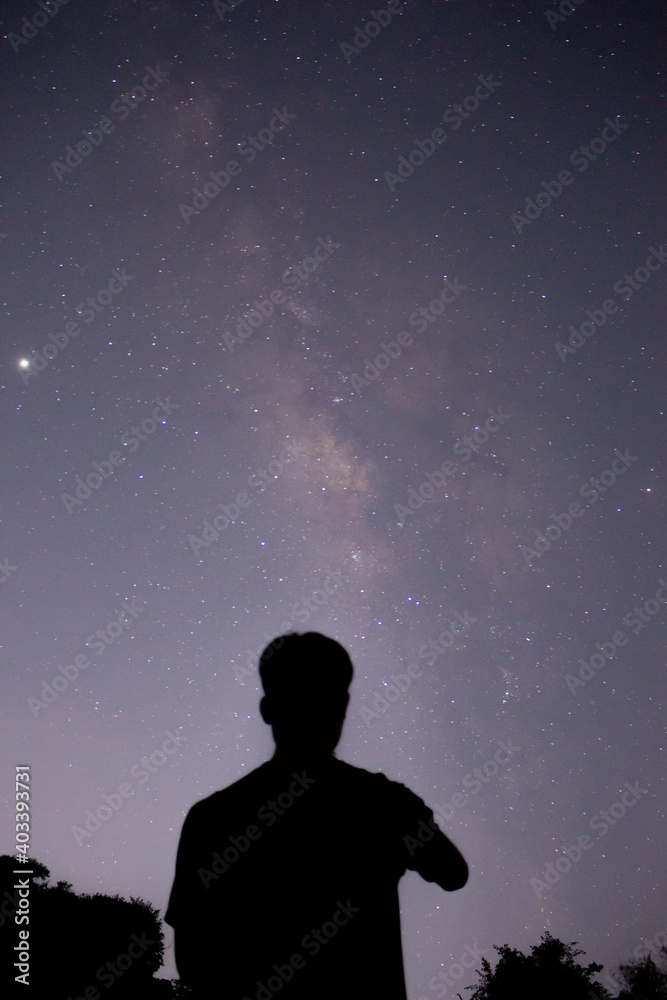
column 549, row 972
column 76, row 942
column 643, row 979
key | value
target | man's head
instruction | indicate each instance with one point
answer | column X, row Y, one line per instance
column 305, row 680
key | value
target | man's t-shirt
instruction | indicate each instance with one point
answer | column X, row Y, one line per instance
column 287, row 883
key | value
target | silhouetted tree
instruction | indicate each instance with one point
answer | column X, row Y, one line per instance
column 644, row 980
column 77, row 942
column 549, row 972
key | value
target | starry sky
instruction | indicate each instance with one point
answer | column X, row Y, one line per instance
column 312, row 327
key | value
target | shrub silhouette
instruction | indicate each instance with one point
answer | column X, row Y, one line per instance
column 549, row 972
column 644, row 980
column 77, row 942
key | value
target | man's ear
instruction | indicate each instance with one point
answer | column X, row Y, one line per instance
column 264, row 707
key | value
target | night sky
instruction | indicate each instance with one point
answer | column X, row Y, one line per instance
column 362, row 337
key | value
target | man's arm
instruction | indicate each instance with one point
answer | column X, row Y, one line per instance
column 185, row 911
column 442, row 862
column 188, row 945
column 184, row 953
column 429, row 851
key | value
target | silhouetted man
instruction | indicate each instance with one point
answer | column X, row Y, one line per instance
column 287, row 881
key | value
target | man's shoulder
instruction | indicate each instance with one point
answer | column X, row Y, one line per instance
column 239, row 788
column 332, row 772
column 376, row 782
column 362, row 774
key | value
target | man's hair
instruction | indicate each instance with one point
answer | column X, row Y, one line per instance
column 304, row 673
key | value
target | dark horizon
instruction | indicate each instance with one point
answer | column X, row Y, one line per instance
column 137, row 927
